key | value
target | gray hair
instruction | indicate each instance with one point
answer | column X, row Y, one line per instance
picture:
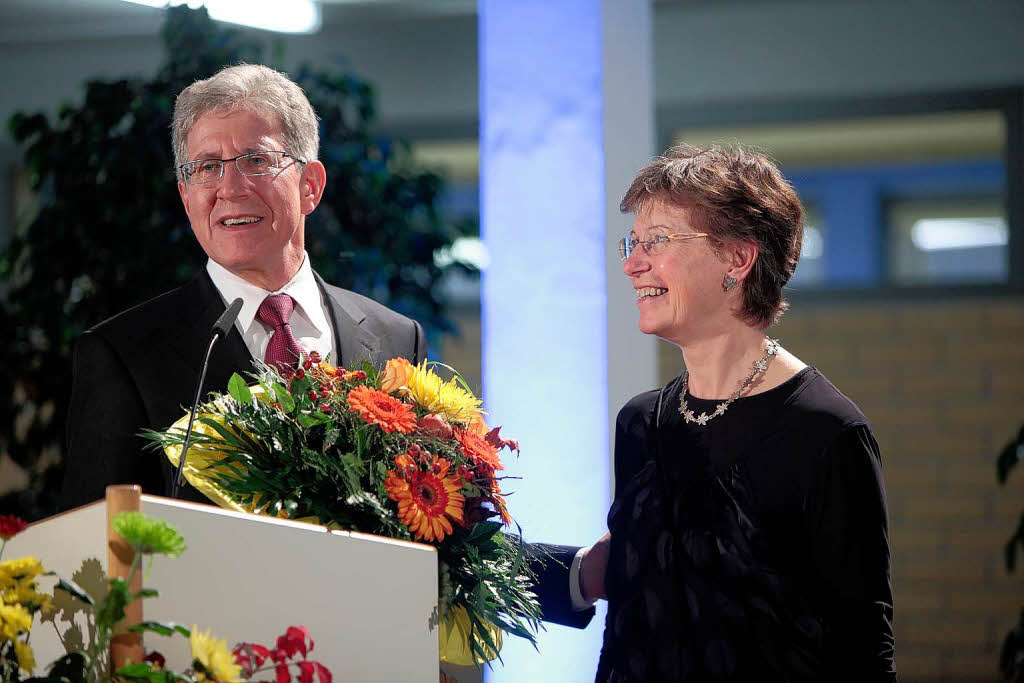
column 256, row 88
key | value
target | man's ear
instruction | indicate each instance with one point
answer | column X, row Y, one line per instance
column 183, row 192
column 741, row 257
column 314, row 178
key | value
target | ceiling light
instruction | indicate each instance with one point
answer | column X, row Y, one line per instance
column 282, row 16
column 938, row 234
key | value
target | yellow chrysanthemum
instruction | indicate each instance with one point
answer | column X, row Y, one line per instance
column 27, row 595
column 19, row 570
column 26, row 658
column 447, row 399
column 14, row 620
column 212, row 659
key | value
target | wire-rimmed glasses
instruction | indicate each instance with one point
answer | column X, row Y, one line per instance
column 654, row 245
column 251, row 164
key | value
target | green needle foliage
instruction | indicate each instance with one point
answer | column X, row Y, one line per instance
column 111, row 231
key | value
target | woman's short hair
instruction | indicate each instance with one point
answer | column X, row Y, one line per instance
column 254, row 87
column 735, row 195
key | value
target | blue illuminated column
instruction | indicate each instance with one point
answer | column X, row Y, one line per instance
column 565, row 110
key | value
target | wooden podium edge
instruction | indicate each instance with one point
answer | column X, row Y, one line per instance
column 125, row 648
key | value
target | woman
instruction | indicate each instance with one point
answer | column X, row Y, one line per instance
column 748, row 534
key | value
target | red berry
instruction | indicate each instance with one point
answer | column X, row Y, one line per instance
column 313, row 396
column 278, row 406
column 413, row 449
column 360, row 374
column 314, row 356
column 325, row 407
column 300, row 373
column 307, row 364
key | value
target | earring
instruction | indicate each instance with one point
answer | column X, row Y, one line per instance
column 729, row 283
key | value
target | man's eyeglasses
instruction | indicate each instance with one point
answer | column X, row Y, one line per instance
column 656, row 244
column 253, row 164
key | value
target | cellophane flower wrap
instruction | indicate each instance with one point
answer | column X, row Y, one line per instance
column 401, row 452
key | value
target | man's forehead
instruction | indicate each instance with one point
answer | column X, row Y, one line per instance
column 243, row 129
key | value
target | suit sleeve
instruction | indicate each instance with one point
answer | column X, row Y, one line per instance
column 850, row 552
column 104, row 417
column 551, row 564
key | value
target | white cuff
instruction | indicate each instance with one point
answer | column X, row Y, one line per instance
column 579, row 603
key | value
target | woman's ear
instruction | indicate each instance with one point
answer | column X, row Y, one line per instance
column 740, row 258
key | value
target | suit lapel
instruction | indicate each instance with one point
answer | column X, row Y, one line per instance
column 229, row 355
column 353, row 343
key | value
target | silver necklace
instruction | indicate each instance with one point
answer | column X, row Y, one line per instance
column 760, row 365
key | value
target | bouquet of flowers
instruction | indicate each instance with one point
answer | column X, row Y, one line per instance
column 399, row 453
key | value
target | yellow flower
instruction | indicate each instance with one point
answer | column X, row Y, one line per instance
column 447, row 399
column 19, row 570
column 26, row 595
column 212, row 658
column 14, row 620
column 26, row 659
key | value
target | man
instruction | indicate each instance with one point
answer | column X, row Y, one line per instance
column 245, row 145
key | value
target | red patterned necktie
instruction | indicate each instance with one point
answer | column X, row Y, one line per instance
column 283, row 350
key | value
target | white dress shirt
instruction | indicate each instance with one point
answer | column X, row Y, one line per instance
column 310, row 320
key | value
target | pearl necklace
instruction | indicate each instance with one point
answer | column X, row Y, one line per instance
column 760, row 365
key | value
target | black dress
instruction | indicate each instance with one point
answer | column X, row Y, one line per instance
column 753, row 548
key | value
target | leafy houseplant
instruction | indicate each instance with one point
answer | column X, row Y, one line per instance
column 1011, row 657
column 111, row 231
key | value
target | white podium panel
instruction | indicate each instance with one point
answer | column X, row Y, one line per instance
column 370, row 603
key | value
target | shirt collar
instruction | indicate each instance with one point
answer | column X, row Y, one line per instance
column 302, row 287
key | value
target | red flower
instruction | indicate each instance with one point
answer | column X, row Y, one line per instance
column 381, row 409
column 250, row 656
column 11, row 526
column 294, row 641
column 156, row 660
column 477, row 449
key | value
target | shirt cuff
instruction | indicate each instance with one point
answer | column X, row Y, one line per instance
column 579, row 603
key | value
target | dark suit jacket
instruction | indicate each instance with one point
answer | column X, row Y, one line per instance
column 138, row 370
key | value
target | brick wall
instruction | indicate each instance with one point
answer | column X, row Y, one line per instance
column 943, row 386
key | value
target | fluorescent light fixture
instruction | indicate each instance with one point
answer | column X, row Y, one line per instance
column 940, row 234
column 281, row 16
column 813, row 245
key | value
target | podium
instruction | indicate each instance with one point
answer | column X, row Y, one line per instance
column 369, row 602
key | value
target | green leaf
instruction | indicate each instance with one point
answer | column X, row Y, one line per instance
column 483, row 531
column 164, row 628
column 283, row 397
column 239, row 390
column 110, row 610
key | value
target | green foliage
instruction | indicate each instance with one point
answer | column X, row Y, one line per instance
column 112, row 232
column 1011, row 655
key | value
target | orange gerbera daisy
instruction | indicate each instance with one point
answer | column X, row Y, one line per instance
column 383, row 410
column 477, row 449
column 427, row 501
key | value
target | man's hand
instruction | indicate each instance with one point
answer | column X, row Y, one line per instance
column 592, row 569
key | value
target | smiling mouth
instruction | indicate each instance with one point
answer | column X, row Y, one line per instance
column 646, row 293
column 244, row 220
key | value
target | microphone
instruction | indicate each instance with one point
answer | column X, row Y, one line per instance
column 220, row 329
